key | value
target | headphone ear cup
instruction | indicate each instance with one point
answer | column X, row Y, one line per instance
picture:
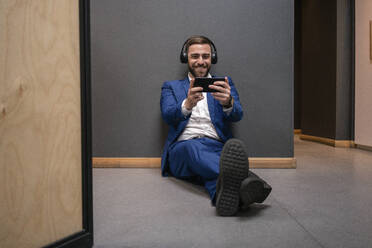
column 214, row 53
column 214, row 58
column 183, row 57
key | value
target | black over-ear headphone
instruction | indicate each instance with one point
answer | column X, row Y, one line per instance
column 183, row 55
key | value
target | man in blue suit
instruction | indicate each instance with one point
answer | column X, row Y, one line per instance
column 199, row 146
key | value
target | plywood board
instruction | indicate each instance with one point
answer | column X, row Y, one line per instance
column 40, row 130
column 105, row 162
column 363, row 73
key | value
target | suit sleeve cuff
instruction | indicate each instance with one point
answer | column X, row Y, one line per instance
column 227, row 111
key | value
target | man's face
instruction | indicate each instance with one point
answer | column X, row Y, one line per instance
column 199, row 59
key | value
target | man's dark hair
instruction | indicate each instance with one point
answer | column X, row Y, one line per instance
column 197, row 39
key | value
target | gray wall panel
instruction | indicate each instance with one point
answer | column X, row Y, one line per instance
column 136, row 46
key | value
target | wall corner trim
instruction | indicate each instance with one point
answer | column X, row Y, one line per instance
column 363, row 147
column 328, row 141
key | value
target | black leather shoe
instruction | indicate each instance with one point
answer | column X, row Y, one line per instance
column 253, row 190
column 233, row 170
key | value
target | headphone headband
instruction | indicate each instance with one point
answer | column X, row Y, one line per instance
column 183, row 55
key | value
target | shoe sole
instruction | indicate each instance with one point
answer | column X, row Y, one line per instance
column 233, row 170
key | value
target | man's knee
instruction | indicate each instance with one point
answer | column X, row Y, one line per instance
column 187, row 149
column 198, row 158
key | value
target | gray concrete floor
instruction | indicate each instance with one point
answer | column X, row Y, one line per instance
column 325, row 202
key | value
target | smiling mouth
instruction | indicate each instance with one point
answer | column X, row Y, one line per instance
column 199, row 70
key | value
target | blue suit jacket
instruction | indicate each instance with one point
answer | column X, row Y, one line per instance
column 172, row 95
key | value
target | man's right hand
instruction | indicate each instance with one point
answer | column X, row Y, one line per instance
column 194, row 95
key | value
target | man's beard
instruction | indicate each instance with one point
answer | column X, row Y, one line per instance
column 195, row 74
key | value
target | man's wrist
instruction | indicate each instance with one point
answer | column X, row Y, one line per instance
column 185, row 111
column 188, row 105
column 229, row 104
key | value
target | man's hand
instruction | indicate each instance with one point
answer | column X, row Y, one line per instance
column 194, row 95
column 223, row 95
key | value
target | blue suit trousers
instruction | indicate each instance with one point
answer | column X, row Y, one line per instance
column 196, row 160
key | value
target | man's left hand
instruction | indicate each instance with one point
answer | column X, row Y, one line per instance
column 223, row 94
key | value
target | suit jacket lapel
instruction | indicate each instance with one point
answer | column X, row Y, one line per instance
column 181, row 89
column 186, row 85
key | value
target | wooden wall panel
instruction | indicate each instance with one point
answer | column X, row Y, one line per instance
column 40, row 123
column 363, row 74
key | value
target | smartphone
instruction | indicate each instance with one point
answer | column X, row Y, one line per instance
column 204, row 82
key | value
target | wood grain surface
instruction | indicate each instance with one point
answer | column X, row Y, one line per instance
column 262, row 163
column 40, row 130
